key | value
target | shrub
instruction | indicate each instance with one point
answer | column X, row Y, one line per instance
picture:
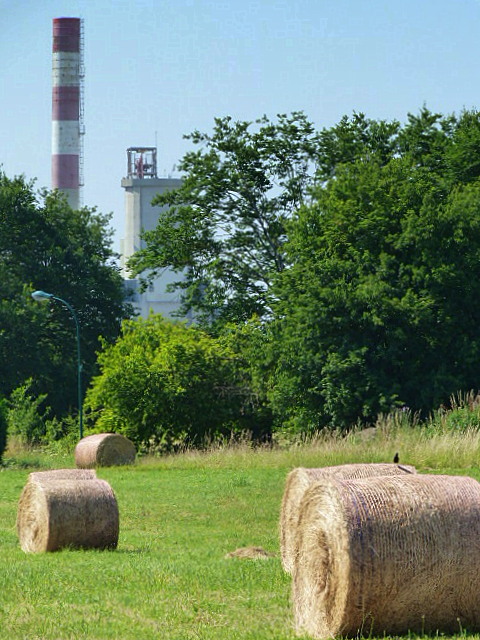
column 26, row 417
column 248, row 342
column 166, row 384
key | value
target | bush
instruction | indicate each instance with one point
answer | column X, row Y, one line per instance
column 26, row 418
column 165, row 384
column 248, row 342
column 462, row 413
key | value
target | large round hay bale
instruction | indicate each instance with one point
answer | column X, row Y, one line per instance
column 104, row 450
column 388, row 555
column 54, row 513
column 301, row 478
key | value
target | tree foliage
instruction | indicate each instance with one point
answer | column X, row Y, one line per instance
column 381, row 305
column 165, row 384
column 3, row 427
column 45, row 245
column 224, row 229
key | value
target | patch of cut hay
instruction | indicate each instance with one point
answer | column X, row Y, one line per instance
column 388, row 555
column 301, row 478
column 55, row 512
column 104, row 450
column 250, row 553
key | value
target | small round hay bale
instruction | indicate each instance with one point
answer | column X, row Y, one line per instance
column 104, row 450
column 54, row 513
column 301, row 478
column 388, row 555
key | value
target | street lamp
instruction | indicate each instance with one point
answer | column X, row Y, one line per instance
column 42, row 296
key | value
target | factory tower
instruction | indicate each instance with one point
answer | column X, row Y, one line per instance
column 67, row 107
column 141, row 185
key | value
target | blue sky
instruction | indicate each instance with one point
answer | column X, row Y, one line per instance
column 156, row 70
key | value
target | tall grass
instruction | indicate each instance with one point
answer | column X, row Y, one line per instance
column 447, row 439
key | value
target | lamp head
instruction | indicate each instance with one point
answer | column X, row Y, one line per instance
column 41, row 296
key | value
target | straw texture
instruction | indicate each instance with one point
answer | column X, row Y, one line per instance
column 301, row 478
column 388, row 555
column 63, row 474
column 56, row 512
column 104, row 450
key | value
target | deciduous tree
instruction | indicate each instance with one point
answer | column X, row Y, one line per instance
column 224, row 229
column 45, row 245
column 380, row 307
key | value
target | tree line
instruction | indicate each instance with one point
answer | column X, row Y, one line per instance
column 45, row 245
column 333, row 275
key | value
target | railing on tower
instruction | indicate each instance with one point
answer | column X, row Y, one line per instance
column 142, row 162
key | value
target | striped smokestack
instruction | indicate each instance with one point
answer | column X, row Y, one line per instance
column 66, row 107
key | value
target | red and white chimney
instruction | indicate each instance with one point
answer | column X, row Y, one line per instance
column 67, row 75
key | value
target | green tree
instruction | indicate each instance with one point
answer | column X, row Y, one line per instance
column 381, row 305
column 352, row 139
column 224, row 229
column 166, row 384
column 45, row 245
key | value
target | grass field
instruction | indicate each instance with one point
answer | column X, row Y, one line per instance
column 179, row 517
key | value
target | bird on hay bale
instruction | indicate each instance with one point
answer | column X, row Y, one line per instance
column 396, row 458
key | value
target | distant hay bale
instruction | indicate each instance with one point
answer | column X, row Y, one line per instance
column 104, row 450
column 301, row 478
column 388, row 555
column 55, row 512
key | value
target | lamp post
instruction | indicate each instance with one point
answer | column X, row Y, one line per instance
column 42, row 296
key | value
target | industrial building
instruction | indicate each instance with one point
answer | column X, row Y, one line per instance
column 141, row 183
column 67, row 107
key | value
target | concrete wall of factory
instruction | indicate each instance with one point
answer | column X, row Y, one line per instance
column 141, row 216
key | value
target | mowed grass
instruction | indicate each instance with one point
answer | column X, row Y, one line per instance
column 179, row 517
